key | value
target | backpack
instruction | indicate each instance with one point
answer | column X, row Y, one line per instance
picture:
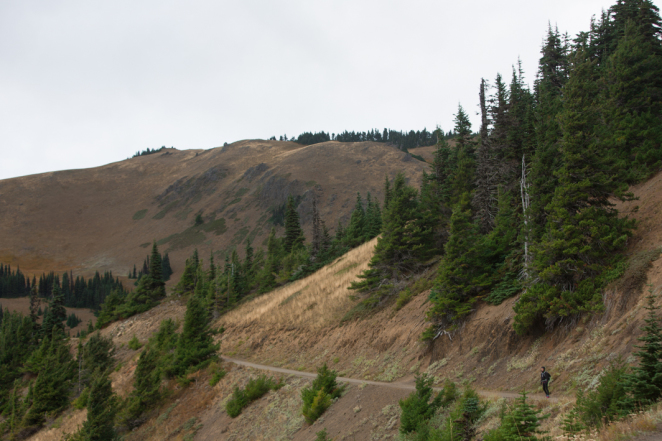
column 546, row 376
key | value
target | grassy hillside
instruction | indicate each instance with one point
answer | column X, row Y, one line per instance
column 104, row 218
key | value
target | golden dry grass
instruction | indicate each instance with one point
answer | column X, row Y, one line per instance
column 624, row 429
column 311, row 303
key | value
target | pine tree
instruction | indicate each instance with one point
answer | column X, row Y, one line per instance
column 53, row 384
column 196, row 344
column 453, row 295
column 464, row 176
column 552, row 77
column 166, row 268
column 632, row 110
column 373, row 218
column 57, row 314
column 293, row 232
column 248, row 268
column 317, row 230
column 155, row 273
column 522, row 423
column 187, row 283
column 645, row 382
column 404, row 242
column 387, row 192
column 101, row 409
column 146, row 383
column 583, row 229
column 357, row 221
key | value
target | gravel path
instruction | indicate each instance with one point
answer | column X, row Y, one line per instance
column 394, row 385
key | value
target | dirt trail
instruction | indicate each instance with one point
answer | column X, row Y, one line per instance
column 394, row 385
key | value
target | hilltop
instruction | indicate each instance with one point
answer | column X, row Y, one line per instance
column 104, row 218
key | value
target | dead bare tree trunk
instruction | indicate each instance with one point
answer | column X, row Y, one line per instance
column 526, row 202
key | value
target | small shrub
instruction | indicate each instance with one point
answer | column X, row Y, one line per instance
column 608, row 401
column 318, row 397
column 218, row 374
column 254, row 390
column 322, row 435
column 81, row 402
column 419, row 406
column 403, row 298
column 134, row 343
column 320, row 403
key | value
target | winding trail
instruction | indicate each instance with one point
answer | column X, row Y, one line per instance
column 394, row 385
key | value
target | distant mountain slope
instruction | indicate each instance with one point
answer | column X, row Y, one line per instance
column 105, row 218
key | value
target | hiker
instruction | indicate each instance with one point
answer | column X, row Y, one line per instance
column 544, row 380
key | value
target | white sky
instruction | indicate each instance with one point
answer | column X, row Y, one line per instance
column 85, row 83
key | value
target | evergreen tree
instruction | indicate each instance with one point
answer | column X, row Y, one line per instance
column 248, row 268
column 57, row 314
column 404, row 242
column 187, row 283
column 101, row 409
column 552, row 77
column 453, row 295
column 387, row 192
column 156, row 274
column 211, row 275
column 317, row 230
column 53, row 384
column 146, row 383
column 142, row 298
column 373, row 218
column 463, row 179
column 196, row 344
column 634, row 102
column 645, row 381
column 357, row 224
column 583, row 229
column 166, row 268
column 522, row 423
column 293, row 232
column 419, row 406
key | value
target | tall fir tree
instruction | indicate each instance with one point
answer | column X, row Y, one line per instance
column 293, row 233
column 156, row 272
column 196, row 344
column 645, row 381
column 583, row 230
column 57, row 314
column 101, row 409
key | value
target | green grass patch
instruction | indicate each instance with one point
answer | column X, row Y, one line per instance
column 189, row 237
column 240, row 235
column 216, row 226
column 183, row 214
column 253, row 234
column 195, row 199
column 242, row 191
column 293, row 296
column 161, row 214
column 346, row 269
column 134, row 343
column 234, row 201
column 311, row 184
column 140, row 214
column 254, row 390
column 144, row 245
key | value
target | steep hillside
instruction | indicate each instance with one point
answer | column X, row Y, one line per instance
column 299, row 326
column 105, row 218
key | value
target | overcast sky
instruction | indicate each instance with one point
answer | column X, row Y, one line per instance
column 86, row 83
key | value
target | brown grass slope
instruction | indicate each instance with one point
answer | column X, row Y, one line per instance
column 298, row 327
column 105, row 218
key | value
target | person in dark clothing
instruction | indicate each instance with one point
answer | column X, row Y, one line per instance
column 544, row 380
